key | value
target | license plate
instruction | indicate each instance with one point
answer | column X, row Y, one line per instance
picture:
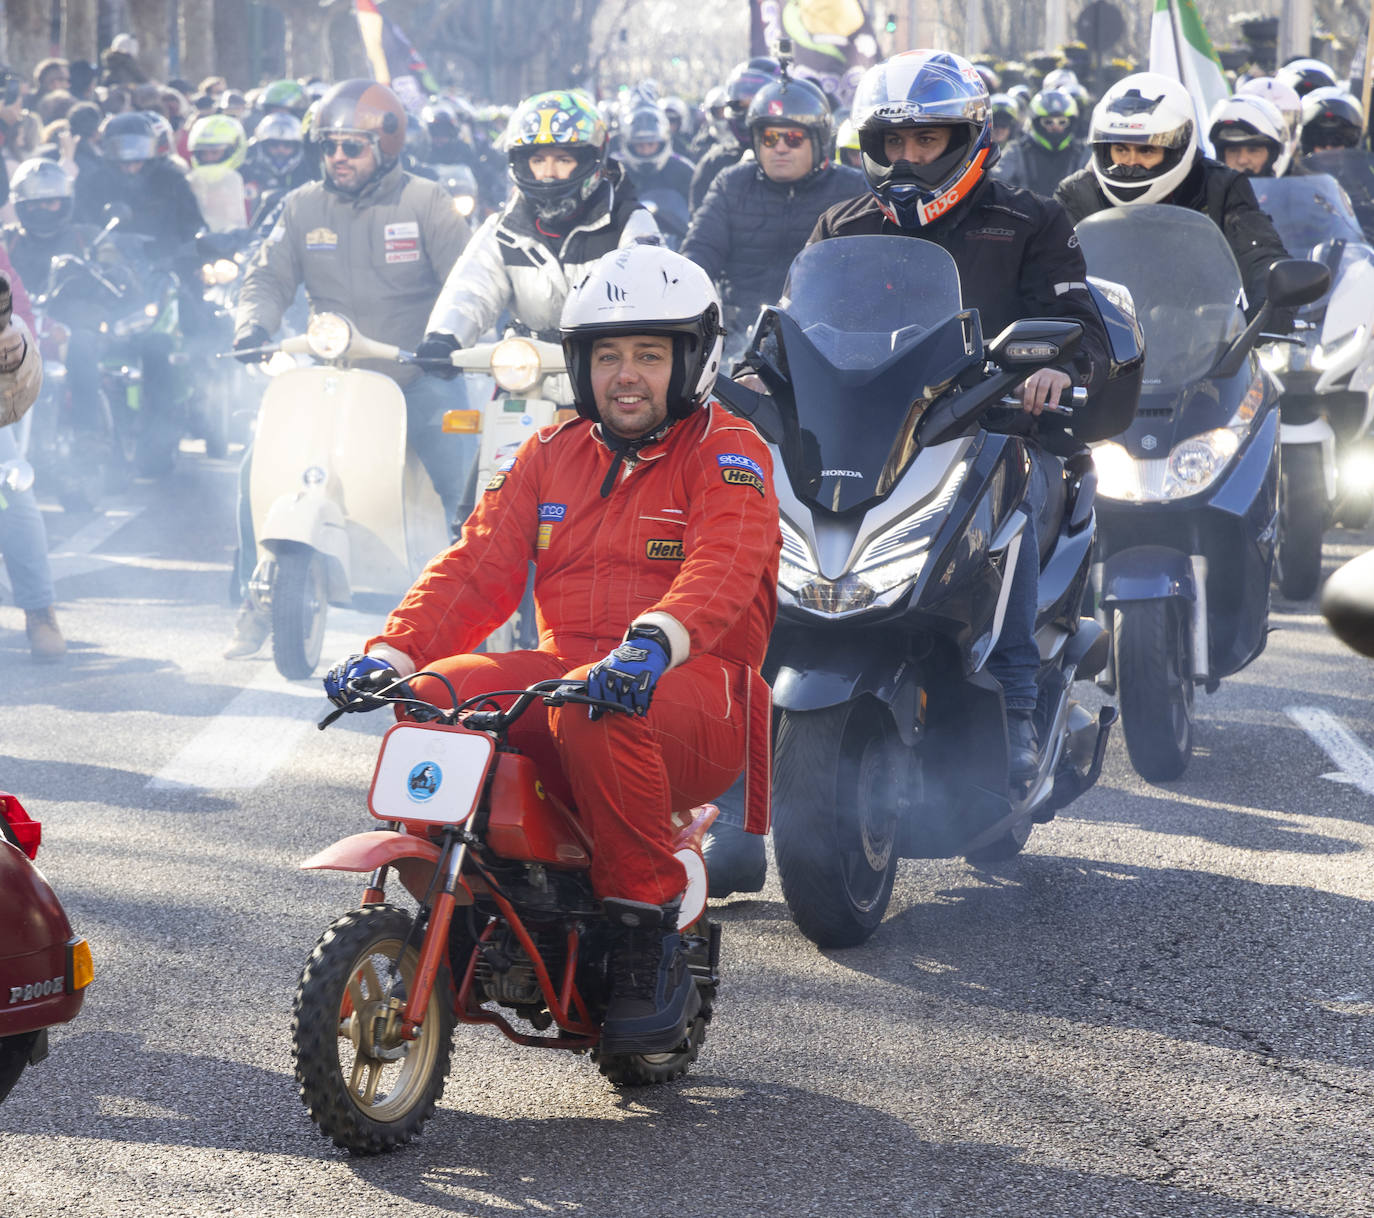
column 429, row 773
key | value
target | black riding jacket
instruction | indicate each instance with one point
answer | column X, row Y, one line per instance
column 1223, row 194
column 1017, row 256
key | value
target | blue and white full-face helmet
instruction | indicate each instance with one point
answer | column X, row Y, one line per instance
column 924, row 89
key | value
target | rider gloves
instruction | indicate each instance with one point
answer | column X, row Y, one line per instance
column 337, row 679
column 255, row 336
column 438, row 347
column 628, row 675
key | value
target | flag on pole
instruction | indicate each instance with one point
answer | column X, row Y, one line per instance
column 392, row 57
column 1180, row 48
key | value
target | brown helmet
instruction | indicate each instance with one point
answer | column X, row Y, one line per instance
column 366, row 108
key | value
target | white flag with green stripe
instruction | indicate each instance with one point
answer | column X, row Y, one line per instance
column 1179, row 47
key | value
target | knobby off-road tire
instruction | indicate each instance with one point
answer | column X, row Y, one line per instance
column 836, row 820
column 1155, row 688
column 650, row 1069
column 366, row 1103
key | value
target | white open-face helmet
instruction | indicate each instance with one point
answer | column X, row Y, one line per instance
column 646, row 289
column 1144, row 108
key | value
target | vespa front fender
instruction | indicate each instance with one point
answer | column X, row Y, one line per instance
column 1148, row 573
column 414, row 858
column 310, row 519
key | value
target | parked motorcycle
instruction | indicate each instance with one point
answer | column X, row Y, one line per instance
column 507, row 921
column 1188, row 496
column 44, row 967
column 902, row 518
column 341, row 504
column 1326, row 374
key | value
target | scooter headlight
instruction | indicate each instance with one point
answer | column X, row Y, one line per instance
column 1117, row 476
column 1276, row 358
column 1333, row 354
column 328, row 335
column 515, row 365
column 796, row 566
column 1194, row 464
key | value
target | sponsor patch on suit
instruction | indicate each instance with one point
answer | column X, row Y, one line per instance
column 663, row 547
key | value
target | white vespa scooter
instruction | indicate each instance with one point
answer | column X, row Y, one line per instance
column 341, row 505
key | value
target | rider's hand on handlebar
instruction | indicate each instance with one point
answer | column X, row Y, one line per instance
column 628, row 675
column 253, row 337
column 438, row 347
column 1044, row 388
column 352, row 668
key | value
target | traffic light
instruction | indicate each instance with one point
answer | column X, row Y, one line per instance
column 890, row 25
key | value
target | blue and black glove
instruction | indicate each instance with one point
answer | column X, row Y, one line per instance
column 628, row 675
column 350, row 669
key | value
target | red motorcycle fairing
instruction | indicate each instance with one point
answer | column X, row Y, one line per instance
column 37, row 988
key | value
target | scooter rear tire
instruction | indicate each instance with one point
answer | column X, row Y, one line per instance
column 346, row 972
column 1302, row 520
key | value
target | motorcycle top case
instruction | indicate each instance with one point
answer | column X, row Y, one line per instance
column 429, row 774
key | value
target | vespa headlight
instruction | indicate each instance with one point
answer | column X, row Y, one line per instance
column 328, row 335
column 515, row 365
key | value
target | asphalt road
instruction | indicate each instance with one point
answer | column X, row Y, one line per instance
column 1163, row 1008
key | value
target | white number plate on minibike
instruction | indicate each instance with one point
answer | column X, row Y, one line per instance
column 429, row 773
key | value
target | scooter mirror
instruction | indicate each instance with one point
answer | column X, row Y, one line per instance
column 1296, row 281
column 1035, row 340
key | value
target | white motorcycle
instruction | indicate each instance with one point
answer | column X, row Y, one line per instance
column 1327, row 376
column 341, row 504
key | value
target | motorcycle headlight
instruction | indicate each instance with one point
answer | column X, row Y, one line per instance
column 464, row 204
column 328, row 335
column 1327, row 355
column 224, row 270
column 1194, row 464
column 515, row 365
column 796, row 566
column 1276, row 358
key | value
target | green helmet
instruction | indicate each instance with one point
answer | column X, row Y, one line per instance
column 285, row 95
column 1059, row 107
column 566, row 120
column 217, row 144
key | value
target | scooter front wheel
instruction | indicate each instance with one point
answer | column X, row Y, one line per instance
column 835, row 819
column 366, row 1088
column 300, row 604
column 1155, row 684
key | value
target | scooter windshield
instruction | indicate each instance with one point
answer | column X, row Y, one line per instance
column 860, row 299
column 1353, row 168
column 1183, row 279
column 1307, row 211
column 880, row 320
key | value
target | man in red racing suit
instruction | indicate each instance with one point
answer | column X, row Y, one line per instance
column 653, row 527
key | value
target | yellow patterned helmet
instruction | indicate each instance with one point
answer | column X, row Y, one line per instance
column 564, row 120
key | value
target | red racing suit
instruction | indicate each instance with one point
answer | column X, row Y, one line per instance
column 685, row 539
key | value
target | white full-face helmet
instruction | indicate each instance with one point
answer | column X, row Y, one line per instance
column 646, row 289
column 1248, row 119
column 1143, row 109
column 1289, row 105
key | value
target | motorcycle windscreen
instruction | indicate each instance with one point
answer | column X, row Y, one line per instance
column 862, row 305
column 1183, row 279
column 1307, row 211
column 1353, row 168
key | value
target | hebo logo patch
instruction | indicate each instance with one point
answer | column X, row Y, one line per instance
column 739, row 470
column 549, row 515
column 662, row 547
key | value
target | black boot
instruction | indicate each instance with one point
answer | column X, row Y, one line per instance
column 653, row 995
column 1023, row 748
column 735, row 861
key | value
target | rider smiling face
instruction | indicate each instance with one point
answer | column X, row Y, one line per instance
column 630, row 378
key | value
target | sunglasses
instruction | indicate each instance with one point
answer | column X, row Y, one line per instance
column 793, row 139
column 352, row 149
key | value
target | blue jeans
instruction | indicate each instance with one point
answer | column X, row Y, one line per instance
column 447, row 458
column 1015, row 660
column 24, row 539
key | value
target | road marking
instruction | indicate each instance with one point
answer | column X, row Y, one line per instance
column 264, row 724
column 1355, row 763
column 75, row 557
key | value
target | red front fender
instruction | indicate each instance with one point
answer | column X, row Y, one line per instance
column 413, row 857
